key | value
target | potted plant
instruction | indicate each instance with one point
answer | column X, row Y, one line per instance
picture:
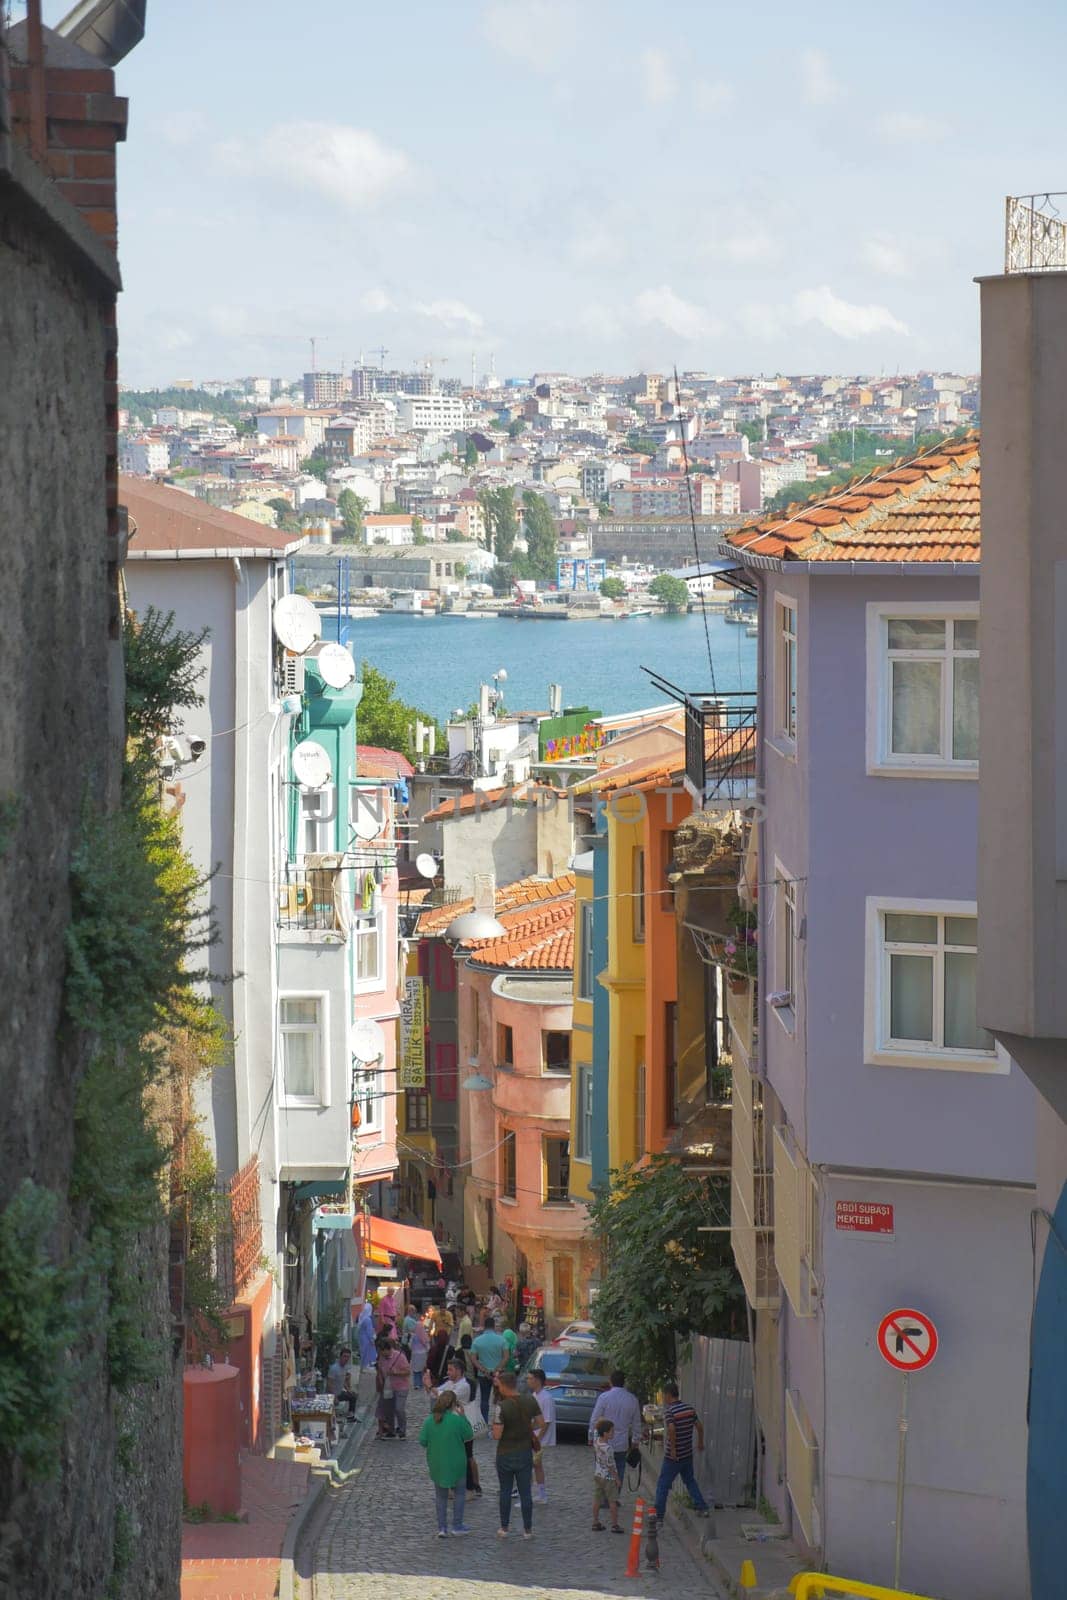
column 741, row 948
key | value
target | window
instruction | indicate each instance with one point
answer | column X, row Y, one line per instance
column 785, row 669
column 557, row 1164
column 367, row 1097
column 785, row 974
column 368, row 946
column 639, row 896
column 416, row 1110
column 670, row 1057
column 302, row 1023
column 556, row 1051
column 476, row 1021
column 508, row 1186
column 317, row 821
column 585, row 953
column 922, row 987
column 444, row 1071
column 640, row 1121
column 922, row 671
column 584, row 1118
column 505, row 1045
column 563, row 1286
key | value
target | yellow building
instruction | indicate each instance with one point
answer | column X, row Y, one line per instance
column 416, row 1144
column 585, row 976
column 624, row 979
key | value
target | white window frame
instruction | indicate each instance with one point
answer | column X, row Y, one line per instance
column 879, row 1049
column 369, row 1083
column 881, row 762
column 321, row 1029
column 583, row 1120
column 786, row 944
column 361, row 921
column 318, row 827
column 786, row 697
column 586, row 975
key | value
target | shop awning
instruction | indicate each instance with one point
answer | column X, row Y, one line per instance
column 376, row 1233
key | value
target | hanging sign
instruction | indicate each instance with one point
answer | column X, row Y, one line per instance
column 863, row 1216
column 413, row 1035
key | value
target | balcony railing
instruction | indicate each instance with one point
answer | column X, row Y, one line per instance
column 720, row 743
column 1035, row 233
column 310, row 899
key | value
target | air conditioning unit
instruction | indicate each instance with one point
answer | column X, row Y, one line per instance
column 292, row 674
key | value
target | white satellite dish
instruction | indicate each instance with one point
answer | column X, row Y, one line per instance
column 335, row 665
column 311, row 765
column 296, row 623
column 368, row 814
column 368, row 1040
column 427, row 866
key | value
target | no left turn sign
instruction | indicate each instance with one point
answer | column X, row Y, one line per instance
column 907, row 1339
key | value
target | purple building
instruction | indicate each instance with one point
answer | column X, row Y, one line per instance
column 883, row 1143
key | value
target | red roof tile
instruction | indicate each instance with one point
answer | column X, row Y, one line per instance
column 923, row 509
column 372, row 761
column 524, row 892
column 169, row 522
column 485, row 799
column 540, row 940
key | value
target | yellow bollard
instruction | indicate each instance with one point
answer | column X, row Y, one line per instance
column 747, row 1579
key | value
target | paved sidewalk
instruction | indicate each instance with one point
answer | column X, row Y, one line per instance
column 240, row 1560
column 378, row 1537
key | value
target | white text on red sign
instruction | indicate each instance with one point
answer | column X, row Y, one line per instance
column 863, row 1216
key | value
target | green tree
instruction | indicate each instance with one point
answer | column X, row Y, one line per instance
column 501, row 523
column 672, row 592
column 460, row 569
column 516, row 426
column 288, row 520
column 753, row 431
column 664, row 1277
column 383, row 718
column 353, row 509
column 642, row 445
column 613, row 589
column 417, row 534
column 315, row 464
column 470, row 455
column 454, row 536
column 541, row 536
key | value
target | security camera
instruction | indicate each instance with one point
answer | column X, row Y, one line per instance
column 196, row 748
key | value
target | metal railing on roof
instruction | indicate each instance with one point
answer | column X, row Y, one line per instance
column 720, row 742
column 1035, row 233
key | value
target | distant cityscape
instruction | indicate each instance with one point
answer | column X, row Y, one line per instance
column 625, row 468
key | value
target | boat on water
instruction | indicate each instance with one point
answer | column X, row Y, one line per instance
column 752, row 631
column 638, row 611
column 736, row 612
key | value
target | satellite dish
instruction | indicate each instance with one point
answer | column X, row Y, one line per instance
column 311, row 765
column 368, row 815
column 296, row 623
column 368, row 1041
column 335, row 665
column 426, row 865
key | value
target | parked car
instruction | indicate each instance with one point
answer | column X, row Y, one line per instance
column 584, row 1332
column 577, row 1374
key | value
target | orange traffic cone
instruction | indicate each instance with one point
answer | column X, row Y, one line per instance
column 633, row 1566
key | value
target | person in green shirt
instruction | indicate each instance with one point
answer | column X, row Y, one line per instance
column 511, row 1339
column 444, row 1437
column 518, row 1428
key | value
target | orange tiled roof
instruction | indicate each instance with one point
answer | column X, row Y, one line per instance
column 374, row 761
column 524, row 892
column 483, row 799
column 658, row 772
column 926, row 508
column 539, row 940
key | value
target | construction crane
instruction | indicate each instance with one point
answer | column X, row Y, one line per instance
column 427, row 362
column 381, row 352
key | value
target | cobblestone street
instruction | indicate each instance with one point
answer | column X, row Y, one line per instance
column 379, row 1537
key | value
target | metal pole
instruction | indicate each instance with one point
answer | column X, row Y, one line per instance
column 902, row 1451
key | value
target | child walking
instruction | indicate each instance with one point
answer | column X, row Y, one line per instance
column 606, row 1484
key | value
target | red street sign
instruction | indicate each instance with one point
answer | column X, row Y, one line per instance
column 907, row 1340
column 533, row 1297
column 863, row 1216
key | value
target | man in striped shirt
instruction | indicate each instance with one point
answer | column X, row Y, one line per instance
column 680, row 1422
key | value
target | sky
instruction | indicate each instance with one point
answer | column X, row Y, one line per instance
column 576, row 185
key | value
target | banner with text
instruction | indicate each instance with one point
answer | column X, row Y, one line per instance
column 413, row 1035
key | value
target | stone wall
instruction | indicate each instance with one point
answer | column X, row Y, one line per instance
column 109, row 1522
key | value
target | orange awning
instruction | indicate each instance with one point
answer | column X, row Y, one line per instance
column 374, row 1232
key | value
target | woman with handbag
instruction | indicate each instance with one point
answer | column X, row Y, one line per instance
column 385, row 1411
column 395, row 1373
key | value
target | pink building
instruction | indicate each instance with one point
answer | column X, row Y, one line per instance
column 514, row 1015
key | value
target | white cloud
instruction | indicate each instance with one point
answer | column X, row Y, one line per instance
column 713, row 97
column 600, row 323
column 910, row 127
column 593, row 243
column 451, row 313
column 842, row 317
column 375, row 301
column 658, row 83
column 349, row 166
column 678, row 316
column 818, row 86
column 749, row 247
column 885, row 256
column 536, row 32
